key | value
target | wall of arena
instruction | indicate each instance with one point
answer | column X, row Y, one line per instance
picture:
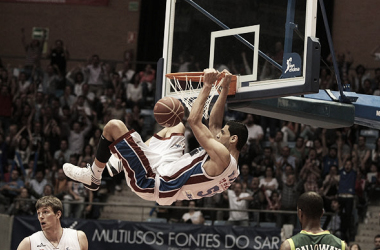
column 85, row 29
column 356, row 29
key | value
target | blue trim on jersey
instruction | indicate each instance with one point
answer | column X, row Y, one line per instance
column 182, row 179
column 135, row 164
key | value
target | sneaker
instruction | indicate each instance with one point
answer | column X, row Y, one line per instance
column 114, row 166
column 83, row 175
column 118, row 188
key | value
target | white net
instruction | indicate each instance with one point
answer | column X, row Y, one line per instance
column 189, row 91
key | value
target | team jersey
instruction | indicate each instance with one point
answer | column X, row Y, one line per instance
column 161, row 172
column 69, row 241
column 319, row 241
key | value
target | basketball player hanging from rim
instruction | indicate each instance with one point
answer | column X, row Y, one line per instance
column 157, row 170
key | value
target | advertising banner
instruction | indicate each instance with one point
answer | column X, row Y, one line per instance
column 115, row 235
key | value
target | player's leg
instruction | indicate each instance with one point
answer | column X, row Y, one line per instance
column 115, row 166
column 91, row 175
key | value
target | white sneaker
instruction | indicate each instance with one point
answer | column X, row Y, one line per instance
column 83, row 175
column 114, row 166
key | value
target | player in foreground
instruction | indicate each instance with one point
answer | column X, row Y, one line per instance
column 312, row 236
column 157, row 170
column 53, row 236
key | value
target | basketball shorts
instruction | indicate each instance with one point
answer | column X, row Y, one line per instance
column 142, row 163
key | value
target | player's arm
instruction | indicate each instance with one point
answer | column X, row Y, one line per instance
column 217, row 152
column 285, row 245
column 24, row 244
column 82, row 238
column 217, row 112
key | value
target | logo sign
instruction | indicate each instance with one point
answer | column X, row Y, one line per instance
column 292, row 65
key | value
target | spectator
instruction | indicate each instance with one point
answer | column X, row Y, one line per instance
column 312, row 165
column 285, row 159
column 355, row 246
column 126, row 74
column 94, row 140
column 77, row 81
column 37, row 184
column 269, row 183
column 299, row 151
column 320, row 149
column 13, row 187
column 359, row 78
column 59, row 56
column 236, row 201
column 257, row 198
column 61, row 188
column 118, row 85
column 94, row 71
column 77, row 135
column 278, row 143
column 173, row 215
column 23, row 152
column 67, row 99
column 364, row 153
column 274, row 203
column 334, row 225
column 48, row 190
column 33, row 51
column 255, row 132
column 148, row 75
column 346, row 198
column 377, row 242
column 193, row 217
column 289, row 195
column 116, row 111
column 263, row 161
column 135, row 93
column 373, row 179
column 52, row 81
column 244, row 178
column 375, row 154
column 63, row 154
column 87, row 154
column 290, row 131
column 330, row 186
column 134, row 120
column 331, row 159
column 46, row 157
column 22, row 207
column 52, row 133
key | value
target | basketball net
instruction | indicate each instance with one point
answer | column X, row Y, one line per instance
column 188, row 93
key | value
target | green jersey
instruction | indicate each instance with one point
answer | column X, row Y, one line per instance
column 319, row 241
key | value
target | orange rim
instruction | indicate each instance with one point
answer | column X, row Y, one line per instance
column 198, row 77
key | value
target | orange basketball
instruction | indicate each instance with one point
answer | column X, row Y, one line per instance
column 168, row 111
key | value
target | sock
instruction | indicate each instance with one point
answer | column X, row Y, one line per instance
column 97, row 171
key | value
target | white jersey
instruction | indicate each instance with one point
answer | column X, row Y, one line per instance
column 161, row 172
column 69, row 241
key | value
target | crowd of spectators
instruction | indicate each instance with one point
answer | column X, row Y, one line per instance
column 53, row 115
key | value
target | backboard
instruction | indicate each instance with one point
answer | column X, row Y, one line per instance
column 269, row 44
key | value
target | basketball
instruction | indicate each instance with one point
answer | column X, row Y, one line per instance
column 168, row 111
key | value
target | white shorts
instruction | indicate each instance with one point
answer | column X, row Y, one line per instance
column 142, row 163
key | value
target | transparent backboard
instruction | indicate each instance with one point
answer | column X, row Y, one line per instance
column 269, row 44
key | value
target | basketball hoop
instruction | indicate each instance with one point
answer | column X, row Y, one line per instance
column 188, row 84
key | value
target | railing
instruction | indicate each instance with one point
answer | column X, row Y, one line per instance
column 185, row 208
